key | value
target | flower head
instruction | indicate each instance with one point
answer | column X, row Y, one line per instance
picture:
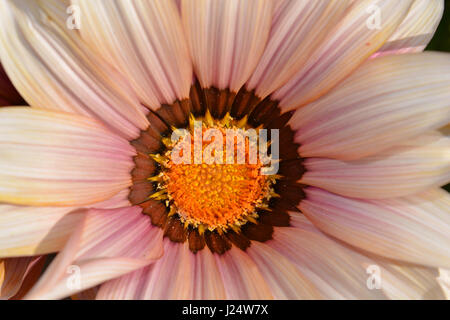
column 353, row 107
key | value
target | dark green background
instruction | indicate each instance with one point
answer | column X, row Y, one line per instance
column 441, row 41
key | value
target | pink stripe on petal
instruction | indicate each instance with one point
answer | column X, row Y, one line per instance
column 241, row 276
column 226, row 39
column 340, row 271
column 298, row 28
column 144, row 40
column 402, row 170
column 414, row 229
column 106, row 245
column 127, row 287
column 52, row 68
column 283, row 278
column 171, row 276
column 51, row 158
column 336, row 271
column 207, row 279
column 416, row 31
column 386, row 101
column 179, row 274
column 356, row 37
column 27, row 231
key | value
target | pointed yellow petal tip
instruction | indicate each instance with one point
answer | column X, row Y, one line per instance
column 158, row 158
column 157, row 178
column 235, row 228
column 208, row 118
column 275, row 195
column 252, row 220
column 166, row 141
column 172, row 211
column 243, row 122
column 160, row 195
column 201, row 229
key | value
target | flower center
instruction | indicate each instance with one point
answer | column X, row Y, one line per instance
column 212, row 177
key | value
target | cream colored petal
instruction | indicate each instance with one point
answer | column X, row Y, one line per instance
column 50, row 158
column 226, row 39
column 386, row 101
column 336, row 271
column 283, row 278
column 416, row 31
column 241, row 277
column 298, row 28
column 106, row 244
column 26, row 231
column 127, row 287
column 179, row 274
column 365, row 28
column 143, row 39
column 54, row 69
column 444, row 281
column 409, row 282
column 206, row 277
column 171, row 276
column 341, row 272
column 415, row 229
column 412, row 167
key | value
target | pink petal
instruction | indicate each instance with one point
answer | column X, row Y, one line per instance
column 407, row 169
column 145, row 40
column 52, row 68
column 298, row 28
column 241, row 277
column 106, row 245
column 179, row 274
column 416, row 31
column 415, row 229
column 226, row 39
column 283, row 278
column 386, row 101
column 51, row 158
column 336, row 271
column 351, row 42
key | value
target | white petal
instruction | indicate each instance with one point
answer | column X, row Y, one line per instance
column 226, row 39
column 403, row 170
column 298, row 28
column 106, row 244
column 145, row 40
column 51, row 158
column 386, row 101
column 283, row 278
column 415, row 229
column 416, row 31
column 335, row 270
column 179, row 274
column 53, row 69
column 241, row 277
column 366, row 27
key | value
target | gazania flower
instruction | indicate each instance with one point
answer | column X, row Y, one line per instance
column 354, row 212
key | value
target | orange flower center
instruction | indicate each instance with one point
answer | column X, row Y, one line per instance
column 215, row 195
column 206, row 184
